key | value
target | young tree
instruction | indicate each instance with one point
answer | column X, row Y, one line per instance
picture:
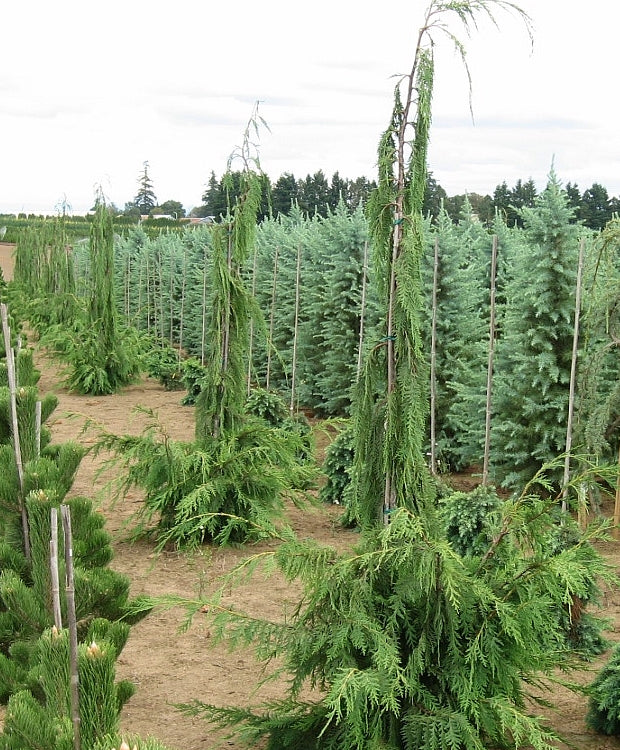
column 145, row 199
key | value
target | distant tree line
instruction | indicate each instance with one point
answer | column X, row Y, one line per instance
column 316, row 195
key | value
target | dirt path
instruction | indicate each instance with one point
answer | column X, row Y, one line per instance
column 166, row 665
column 170, row 666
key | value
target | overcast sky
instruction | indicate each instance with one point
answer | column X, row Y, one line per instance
column 89, row 91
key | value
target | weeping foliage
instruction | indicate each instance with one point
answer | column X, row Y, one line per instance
column 221, row 402
column 101, row 356
column 229, row 484
column 411, row 644
column 228, row 490
column 44, row 274
column 391, row 401
column 599, row 405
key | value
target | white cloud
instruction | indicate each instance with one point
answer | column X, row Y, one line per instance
column 89, row 92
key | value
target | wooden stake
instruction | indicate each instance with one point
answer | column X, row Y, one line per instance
column 54, row 569
column 360, row 347
column 71, row 619
column 571, row 392
column 487, row 426
column 295, row 331
column 10, row 363
column 272, row 312
column 433, row 399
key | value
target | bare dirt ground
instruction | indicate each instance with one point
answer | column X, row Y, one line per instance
column 169, row 666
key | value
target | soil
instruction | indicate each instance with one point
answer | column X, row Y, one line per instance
column 169, row 665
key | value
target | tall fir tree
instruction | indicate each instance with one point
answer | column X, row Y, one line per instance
column 534, row 354
column 145, row 199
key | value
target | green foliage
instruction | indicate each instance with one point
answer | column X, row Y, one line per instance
column 134, row 742
column 224, row 490
column 391, row 399
column 164, row 363
column 219, row 406
column 90, row 368
column 599, row 390
column 102, row 356
column 268, row 406
column 26, row 372
column 534, row 354
column 411, row 644
column 31, row 722
column 337, row 465
column 604, row 697
column 467, row 519
column 193, row 375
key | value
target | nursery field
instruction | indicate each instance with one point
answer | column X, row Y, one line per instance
column 170, row 666
column 6, row 260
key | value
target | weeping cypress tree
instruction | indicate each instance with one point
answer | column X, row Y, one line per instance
column 391, row 403
column 229, row 483
column 220, row 405
column 412, row 642
column 598, row 417
column 102, row 356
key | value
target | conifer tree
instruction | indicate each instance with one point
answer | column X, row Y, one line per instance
column 102, row 355
column 534, row 354
column 413, row 641
column 228, row 484
column 145, row 199
column 598, row 417
column 332, row 331
column 462, row 331
column 391, row 407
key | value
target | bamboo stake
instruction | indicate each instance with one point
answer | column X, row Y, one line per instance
column 204, row 312
column 71, row 619
column 183, row 291
column 171, row 295
column 272, row 313
column 54, row 569
column 617, row 505
column 251, row 341
column 37, row 427
column 10, row 363
column 433, row 394
column 360, row 348
column 295, row 331
column 160, row 276
column 571, row 392
column 487, row 425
